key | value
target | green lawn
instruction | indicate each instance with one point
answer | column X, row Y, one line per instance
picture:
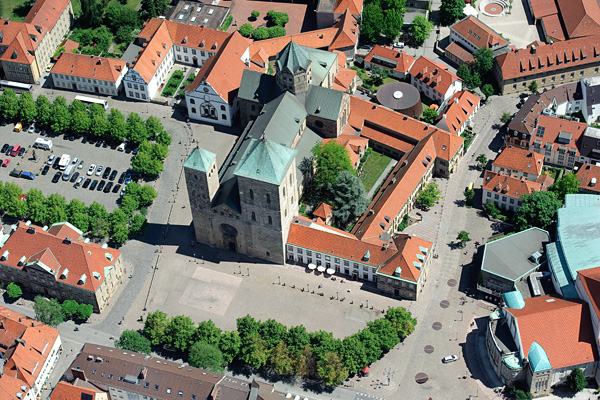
column 552, row 171
column 373, row 168
column 364, row 76
column 173, row 83
column 130, row 3
column 15, row 9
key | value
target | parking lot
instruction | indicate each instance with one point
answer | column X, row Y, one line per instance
column 89, row 152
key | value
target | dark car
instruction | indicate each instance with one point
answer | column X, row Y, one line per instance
column 16, row 173
column 94, row 184
column 108, row 186
column 21, row 151
column 74, row 177
column 56, row 162
column 122, row 177
column 3, row 123
column 99, row 143
column 4, row 148
column 87, row 183
column 106, row 173
column 84, row 140
column 71, row 138
column 45, row 170
column 56, row 177
column 101, row 185
column 135, row 151
column 116, row 189
column 128, row 148
column 105, row 144
column 113, row 145
column 113, row 175
column 8, row 151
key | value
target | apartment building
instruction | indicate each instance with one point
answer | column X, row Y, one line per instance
column 396, row 62
column 458, row 113
column 472, row 34
column 519, row 163
column 58, row 263
column 505, row 190
column 434, row 80
column 84, row 73
column 29, row 352
column 26, row 47
column 589, row 177
column 558, row 140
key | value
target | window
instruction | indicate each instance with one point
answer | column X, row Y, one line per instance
column 489, row 194
column 155, row 387
column 192, row 101
column 222, row 108
column 251, row 194
column 268, row 198
column 193, row 110
column 110, row 376
column 253, row 216
column 270, row 220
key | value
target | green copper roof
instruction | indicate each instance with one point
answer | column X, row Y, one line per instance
column 199, row 159
column 514, row 300
column 538, row 358
column 293, row 57
column 512, row 362
column 265, row 160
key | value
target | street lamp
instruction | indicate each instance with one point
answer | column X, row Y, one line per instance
column 279, row 279
column 308, row 287
column 240, row 269
column 337, row 296
column 367, row 303
column 248, row 270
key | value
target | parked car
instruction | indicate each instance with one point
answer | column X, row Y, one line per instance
column 21, row 151
column 6, row 162
column 87, row 182
column 15, row 150
column 105, row 144
column 74, row 177
column 135, row 151
column 99, row 170
column 399, row 45
column 16, row 173
column 122, row 147
column 106, row 173
column 45, row 170
column 128, row 179
column 78, row 183
column 4, row 148
column 31, row 129
column 101, row 185
column 449, row 359
column 51, row 159
column 108, row 186
column 122, row 177
column 56, row 163
column 8, row 151
column 99, row 143
column 91, row 169
column 94, row 184
column 116, row 188
column 81, row 163
column 113, row 175
column 74, row 161
column 28, row 175
column 56, row 177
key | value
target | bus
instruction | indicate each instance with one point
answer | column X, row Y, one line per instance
column 16, row 86
column 65, row 160
column 90, row 100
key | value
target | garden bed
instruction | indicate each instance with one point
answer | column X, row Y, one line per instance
column 173, row 83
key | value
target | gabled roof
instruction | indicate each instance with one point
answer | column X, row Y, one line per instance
column 460, row 52
column 67, row 391
column 18, row 51
column 580, row 17
column 91, row 67
column 354, row 7
column 541, row 8
column 590, row 280
column 319, row 39
column 343, row 79
column 323, row 211
column 292, row 58
column 509, row 185
column 200, row 159
column 266, row 161
column 347, row 35
column 458, row 111
column 434, row 75
column 45, row 13
column 521, row 160
column 478, row 33
column 400, row 60
column 411, row 257
column 563, row 328
column 589, row 175
column 155, row 51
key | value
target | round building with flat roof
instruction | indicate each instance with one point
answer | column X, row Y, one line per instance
column 401, row 97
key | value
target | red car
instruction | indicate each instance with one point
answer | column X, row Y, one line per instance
column 6, row 162
column 15, row 150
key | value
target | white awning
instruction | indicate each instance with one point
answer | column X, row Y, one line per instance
column 330, row 271
column 312, row 266
column 321, row 268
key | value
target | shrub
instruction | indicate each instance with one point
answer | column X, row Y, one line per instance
column 246, row 30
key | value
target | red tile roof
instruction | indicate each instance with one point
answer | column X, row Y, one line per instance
column 460, row 52
column 562, row 327
column 509, row 185
column 352, row 144
column 433, row 74
column 571, row 54
column 446, row 145
column 520, row 160
column 343, row 79
column 478, row 33
column 586, row 173
column 25, row 358
column 354, row 7
column 46, row 12
column 347, row 35
column 409, row 250
column 590, row 279
column 553, row 27
column 224, row 70
column 541, row 8
column 91, row 67
column 67, row 391
column 460, row 108
column 400, row 59
column 74, row 260
column 555, row 126
column 580, row 17
column 319, row 39
column 323, row 211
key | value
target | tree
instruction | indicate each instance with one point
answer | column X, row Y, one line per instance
column 428, row 196
column 14, row 291
column 297, row 339
column 420, row 29
column 280, row 360
column 61, row 119
column 484, row 60
column 144, row 163
column 27, row 110
column 378, row 75
column 475, row 80
column 137, row 224
column 385, row 332
column 57, row 208
column 521, row 394
column 155, row 327
column 451, row 11
column 331, row 370
column 77, row 213
column 246, row 30
column 91, row 13
column 206, row 356
column 159, row 151
column 153, row 126
column 48, row 311
column 129, row 204
column 491, row 209
column 255, row 14
column 353, row 354
column 9, row 104
column 348, row 198
column 208, row 332
column 305, row 364
column 254, row 352
column 119, row 234
column 10, row 199
column 230, row 344
column 481, row 161
column 247, row 326
column 372, row 22
column 163, row 138
column 402, row 320
column 134, row 341
column 98, row 218
column 278, row 18
column 537, row 209
column 136, row 129
column 487, row 90
column 469, row 196
column 272, row 332
column 44, row 110
column 36, row 206
column 84, row 311
column 69, row 308
column 464, row 73
column 372, row 344
column 116, row 125
column 80, row 118
column 568, row 184
column 322, row 342
column 146, row 195
column 260, row 33
column 180, row 332
column 392, row 23
column 533, row 87
column 148, row 10
column 276, row 31
column 505, row 118
column 330, row 159
column 463, row 236
column 576, row 381
column 429, row 115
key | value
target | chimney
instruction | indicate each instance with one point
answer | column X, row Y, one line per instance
column 78, row 374
column 532, row 49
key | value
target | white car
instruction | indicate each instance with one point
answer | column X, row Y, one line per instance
column 399, row 45
column 75, row 161
column 81, row 163
column 99, row 170
column 449, row 359
column 91, row 169
column 51, row 159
